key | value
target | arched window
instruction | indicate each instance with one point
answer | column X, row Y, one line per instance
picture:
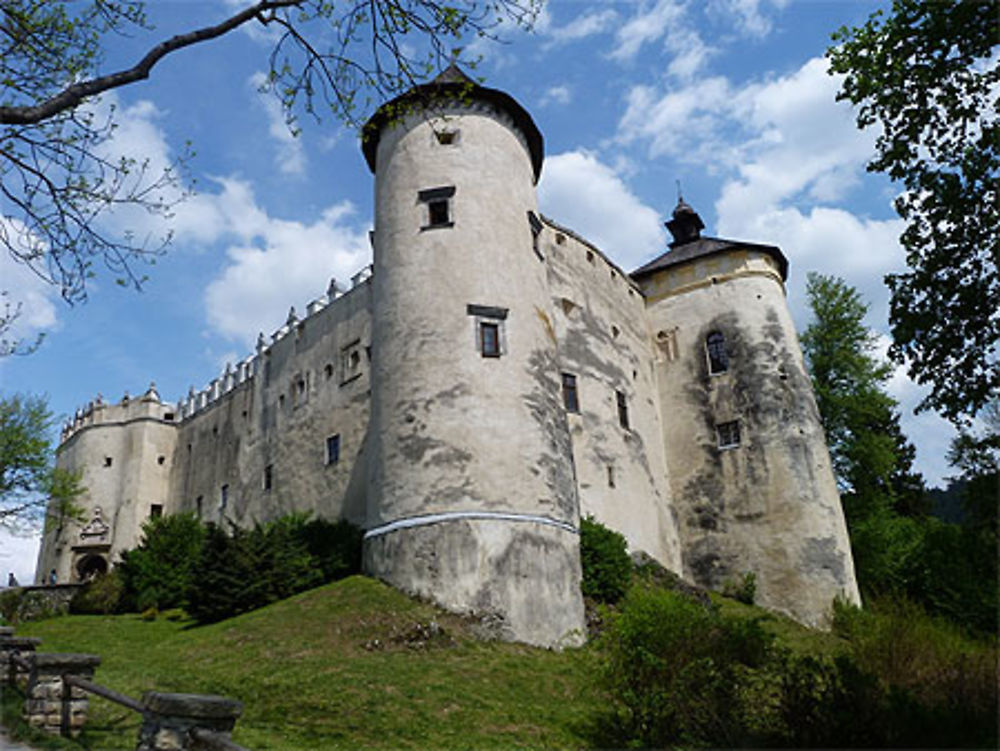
column 718, row 360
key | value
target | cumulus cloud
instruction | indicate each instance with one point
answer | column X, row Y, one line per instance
column 18, row 555
column 25, row 294
column 649, row 24
column 275, row 263
column 290, row 157
column 579, row 191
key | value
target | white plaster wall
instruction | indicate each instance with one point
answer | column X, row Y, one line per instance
column 134, row 435
column 600, row 320
column 770, row 506
column 270, row 420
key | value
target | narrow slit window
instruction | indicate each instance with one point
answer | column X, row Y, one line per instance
column 268, row 477
column 611, row 475
column 728, row 434
column 333, row 449
column 489, row 337
column 571, row 398
column 622, row 409
column 718, row 358
column 223, row 499
column 536, row 234
column 199, row 503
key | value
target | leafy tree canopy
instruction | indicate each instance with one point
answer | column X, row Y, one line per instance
column 927, row 74
column 57, row 179
column 27, row 477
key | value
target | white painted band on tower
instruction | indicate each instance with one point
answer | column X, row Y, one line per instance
column 424, row 520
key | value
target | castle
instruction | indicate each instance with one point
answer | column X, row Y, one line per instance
column 492, row 378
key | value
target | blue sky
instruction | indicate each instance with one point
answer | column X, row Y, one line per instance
column 731, row 97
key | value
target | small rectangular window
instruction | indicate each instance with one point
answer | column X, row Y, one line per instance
column 622, row 409
column 107, row 461
column 333, row 449
column 446, row 137
column 223, row 499
column 438, row 202
column 155, row 510
column 728, row 434
column 611, row 475
column 570, row 397
column 268, row 477
column 199, row 503
column 437, row 213
column 489, row 338
column 350, row 362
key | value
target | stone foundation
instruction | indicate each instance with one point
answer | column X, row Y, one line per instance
column 50, row 704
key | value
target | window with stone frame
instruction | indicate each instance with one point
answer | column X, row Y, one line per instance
column 438, row 211
column 489, row 322
column 333, row 449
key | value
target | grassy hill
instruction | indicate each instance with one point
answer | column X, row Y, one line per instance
column 350, row 665
column 355, row 664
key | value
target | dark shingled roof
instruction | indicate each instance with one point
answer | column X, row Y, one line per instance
column 452, row 84
column 703, row 247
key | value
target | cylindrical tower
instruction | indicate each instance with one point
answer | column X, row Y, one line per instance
column 473, row 502
column 749, row 466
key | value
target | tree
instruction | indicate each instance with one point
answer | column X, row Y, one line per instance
column 27, row 477
column 926, row 74
column 871, row 457
column 57, row 179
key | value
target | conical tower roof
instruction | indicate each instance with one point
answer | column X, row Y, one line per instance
column 452, row 85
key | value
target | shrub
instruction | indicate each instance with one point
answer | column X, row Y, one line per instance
column 159, row 573
column 100, row 596
column 334, row 546
column 743, row 589
column 607, row 569
column 679, row 673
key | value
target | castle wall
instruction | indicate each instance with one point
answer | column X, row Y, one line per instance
column 124, row 453
column 265, row 440
column 768, row 505
column 600, row 322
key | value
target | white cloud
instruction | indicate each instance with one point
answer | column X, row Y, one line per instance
column 556, row 95
column 580, row 27
column 277, row 263
column 290, row 157
column 747, row 15
column 648, row 25
column 589, row 197
column 690, row 53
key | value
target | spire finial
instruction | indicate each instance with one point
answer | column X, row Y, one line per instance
column 680, row 193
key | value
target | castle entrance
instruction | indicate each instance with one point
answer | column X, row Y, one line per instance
column 90, row 566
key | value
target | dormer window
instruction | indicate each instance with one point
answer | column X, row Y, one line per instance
column 438, row 202
column 718, row 358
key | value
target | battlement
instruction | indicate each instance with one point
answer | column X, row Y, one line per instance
column 150, row 406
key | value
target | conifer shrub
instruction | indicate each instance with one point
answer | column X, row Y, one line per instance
column 607, row 568
column 160, row 571
column 247, row 569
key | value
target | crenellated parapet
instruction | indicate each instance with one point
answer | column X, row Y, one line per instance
column 149, row 406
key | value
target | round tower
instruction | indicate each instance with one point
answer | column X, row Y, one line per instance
column 473, row 499
column 749, row 466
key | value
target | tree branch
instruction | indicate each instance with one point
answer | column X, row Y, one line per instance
column 71, row 96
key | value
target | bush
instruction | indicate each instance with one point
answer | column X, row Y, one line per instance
column 252, row 568
column 100, row 596
column 160, row 572
column 679, row 673
column 607, row 569
column 743, row 589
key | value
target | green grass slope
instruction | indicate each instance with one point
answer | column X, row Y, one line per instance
column 347, row 665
